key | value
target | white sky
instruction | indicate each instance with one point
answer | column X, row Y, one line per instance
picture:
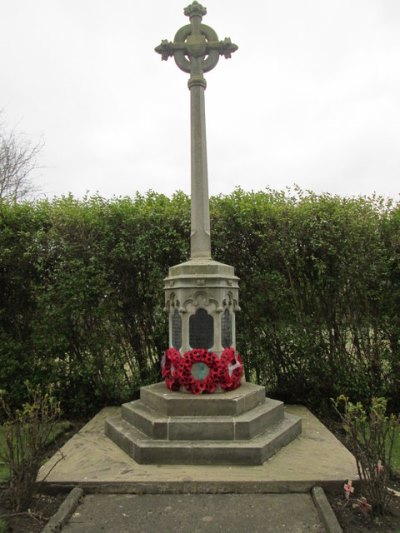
column 311, row 97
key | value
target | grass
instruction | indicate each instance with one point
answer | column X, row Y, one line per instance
column 396, row 453
column 3, row 526
column 60, row 428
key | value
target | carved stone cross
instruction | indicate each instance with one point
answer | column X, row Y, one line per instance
column 196, row 49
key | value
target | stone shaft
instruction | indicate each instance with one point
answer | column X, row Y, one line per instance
column 200, row 241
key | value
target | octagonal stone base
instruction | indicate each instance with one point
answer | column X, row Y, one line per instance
column 240, row 427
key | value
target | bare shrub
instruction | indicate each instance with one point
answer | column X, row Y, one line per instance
column 27, row 431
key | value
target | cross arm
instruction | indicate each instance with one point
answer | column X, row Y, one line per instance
column 225, row 47
column 167, row 48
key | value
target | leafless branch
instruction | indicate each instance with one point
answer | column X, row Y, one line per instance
column 18, row 159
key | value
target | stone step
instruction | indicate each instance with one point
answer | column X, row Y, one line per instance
column 240, row 452
column 244, row 426
column 232, row 403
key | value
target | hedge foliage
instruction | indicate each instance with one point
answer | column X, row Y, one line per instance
column 81, row 293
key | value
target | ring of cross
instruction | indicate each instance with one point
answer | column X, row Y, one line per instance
column 196, row 51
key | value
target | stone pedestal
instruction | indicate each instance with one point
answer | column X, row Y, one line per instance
column 201, row 298
column 239, row 427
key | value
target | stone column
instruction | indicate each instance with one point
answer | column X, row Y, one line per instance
column 200, row 242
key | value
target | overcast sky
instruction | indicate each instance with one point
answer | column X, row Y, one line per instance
column 311, row 97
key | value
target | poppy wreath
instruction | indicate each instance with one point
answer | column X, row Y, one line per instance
column 186, row 377
column 230, row 370
column 169, row 367
column 225, row 371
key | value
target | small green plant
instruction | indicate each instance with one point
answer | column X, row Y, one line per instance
column 370, row 436
column 27, row 431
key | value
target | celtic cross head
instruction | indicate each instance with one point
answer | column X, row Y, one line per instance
column 196, row 47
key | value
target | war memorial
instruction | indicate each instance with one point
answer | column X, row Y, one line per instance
column 203, row 412
column 202, row 429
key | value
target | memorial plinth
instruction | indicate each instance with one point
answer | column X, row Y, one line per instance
column 239, row 427
column 224, row 420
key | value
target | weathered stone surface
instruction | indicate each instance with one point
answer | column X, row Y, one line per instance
column 232, row 403
column 247, row 452
column 237, row 427
column 93, row 461
column 201, row 285
column 207, row 268
column 161, row 427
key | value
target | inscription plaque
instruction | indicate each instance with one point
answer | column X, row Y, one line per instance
column 201, row 330
column 226, row 329
column 176, row 323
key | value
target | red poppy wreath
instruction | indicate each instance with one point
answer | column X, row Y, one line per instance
column 231, row 370
column 201, row 371
column 169, row 365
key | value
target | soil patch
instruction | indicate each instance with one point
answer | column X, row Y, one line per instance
column 349, row 514
column 353, row 520
column 32, row 521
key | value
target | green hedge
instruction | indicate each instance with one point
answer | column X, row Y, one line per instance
column 81, row 293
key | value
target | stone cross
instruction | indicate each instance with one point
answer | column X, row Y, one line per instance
column 196, row 49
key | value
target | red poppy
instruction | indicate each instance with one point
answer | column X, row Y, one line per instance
column 225, row 371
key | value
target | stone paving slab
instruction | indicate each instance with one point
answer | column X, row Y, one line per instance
column 196, row 513
column 94, row 462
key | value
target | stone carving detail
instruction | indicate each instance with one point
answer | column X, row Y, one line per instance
column 187, row 298
column 196, row 41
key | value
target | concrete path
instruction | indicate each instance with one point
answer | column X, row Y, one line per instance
column 196, row 513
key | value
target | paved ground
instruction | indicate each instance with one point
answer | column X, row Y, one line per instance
column 196, row 513
column 92, row 461
column 124, row 496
